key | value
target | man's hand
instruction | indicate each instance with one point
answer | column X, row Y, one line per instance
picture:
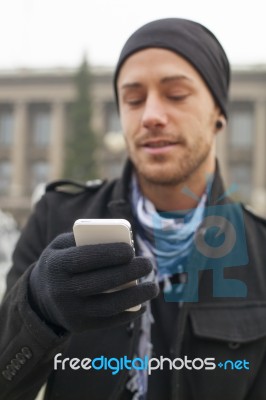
column 67, row 284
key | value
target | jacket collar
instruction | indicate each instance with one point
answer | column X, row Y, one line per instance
column 120, row 201
column 218, row 194
column 120, row 204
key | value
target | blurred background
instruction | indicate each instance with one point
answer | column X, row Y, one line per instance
column 57, row 112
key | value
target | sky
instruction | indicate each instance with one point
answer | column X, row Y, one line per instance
column 58, row 33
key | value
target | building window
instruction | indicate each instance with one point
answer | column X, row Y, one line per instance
column 5, row 176
column 40, row 173
column 240, row 174
column 41, row 126
column 112, row 118
column 241, row 126
column 6, row 126
column 114, row 168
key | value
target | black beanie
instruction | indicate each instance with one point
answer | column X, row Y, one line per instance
column 190, row 40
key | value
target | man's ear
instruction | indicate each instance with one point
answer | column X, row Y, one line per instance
column 220, row 123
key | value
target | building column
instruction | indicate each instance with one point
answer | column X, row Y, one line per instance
column 57, row 150
column 98, row 116
column 98, row 124
column 258, row 159
column 19, row 151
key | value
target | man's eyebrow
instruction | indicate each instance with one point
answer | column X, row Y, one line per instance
column 175, row 78
column 131, row 85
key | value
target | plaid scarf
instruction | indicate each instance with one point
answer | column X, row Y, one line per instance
column 165, row 238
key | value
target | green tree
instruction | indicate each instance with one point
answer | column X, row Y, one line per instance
column 82, row 143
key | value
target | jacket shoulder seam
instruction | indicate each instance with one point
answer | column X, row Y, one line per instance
column 73, row 187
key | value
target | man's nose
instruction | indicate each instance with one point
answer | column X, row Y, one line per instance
column 154, row 113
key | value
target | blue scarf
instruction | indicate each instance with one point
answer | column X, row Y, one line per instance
column 165, row 238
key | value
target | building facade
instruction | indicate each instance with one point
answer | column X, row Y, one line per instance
column 34, row 120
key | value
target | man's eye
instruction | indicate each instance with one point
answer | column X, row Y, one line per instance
column 178, row 97
column 134, row 102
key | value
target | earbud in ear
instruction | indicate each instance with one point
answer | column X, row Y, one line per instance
column 219, row 124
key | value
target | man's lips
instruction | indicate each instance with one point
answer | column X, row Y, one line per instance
column 158, row 146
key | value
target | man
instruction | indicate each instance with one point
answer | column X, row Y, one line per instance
column 206, row 329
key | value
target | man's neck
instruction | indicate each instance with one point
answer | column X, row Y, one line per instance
column 182, row 196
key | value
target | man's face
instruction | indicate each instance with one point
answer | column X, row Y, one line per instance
column 168, row 116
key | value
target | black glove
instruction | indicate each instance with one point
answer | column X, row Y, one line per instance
column 67, row 284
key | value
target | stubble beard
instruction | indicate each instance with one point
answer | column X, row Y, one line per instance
column 157, row 172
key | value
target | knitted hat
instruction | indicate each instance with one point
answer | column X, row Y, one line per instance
column 190, row 40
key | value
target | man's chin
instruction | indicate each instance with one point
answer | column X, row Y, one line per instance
column 168, row 172
column 162, row 177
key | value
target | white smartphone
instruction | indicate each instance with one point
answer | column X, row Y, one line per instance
column 96, row 231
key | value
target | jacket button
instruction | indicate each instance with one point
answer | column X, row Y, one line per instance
column 7, row 375
column 21, row 358
column 233, row 345
column 15, row 363
column 26, row 352
column 11, row 369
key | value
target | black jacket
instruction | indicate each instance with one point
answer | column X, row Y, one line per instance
column 216, row 325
